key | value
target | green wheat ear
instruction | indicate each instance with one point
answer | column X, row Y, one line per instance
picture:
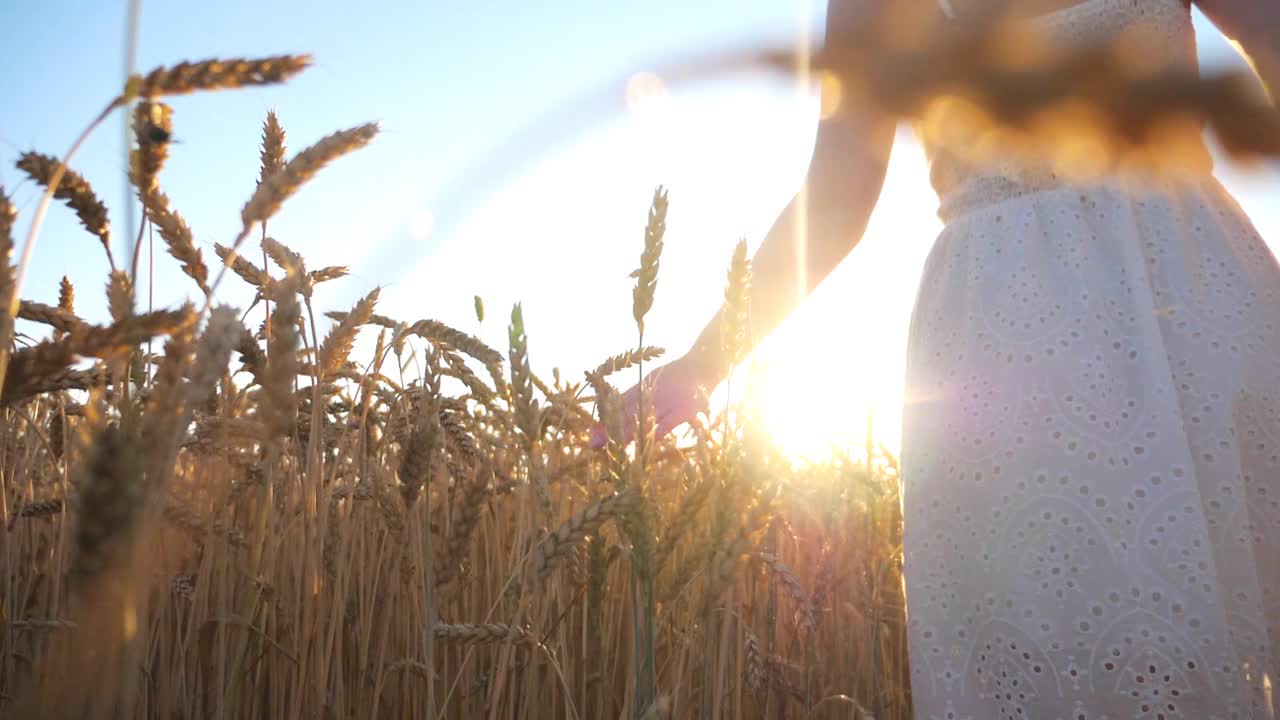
column 479, row 309
column 521, row 374
column 647, row 275
column 737, row 304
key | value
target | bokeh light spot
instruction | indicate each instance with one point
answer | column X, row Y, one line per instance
column 645, row 90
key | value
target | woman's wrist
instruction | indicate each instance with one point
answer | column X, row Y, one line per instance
column 706, row 363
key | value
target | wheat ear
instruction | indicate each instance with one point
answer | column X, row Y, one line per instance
column 337, row 344
column 647, row 274
column 75, row 191
column 189, row 77
column 558, row 545
column 273, row 147
column 152, row 130
column 177, row 237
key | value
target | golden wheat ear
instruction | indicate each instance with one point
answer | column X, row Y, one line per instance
column 8, row 216
column 272, row 191
column 152, row 130
column 189, row 77
column 338, row 343
column 282, row 184
column 75, row 191
column 560, row 544
column 177, row 237
column 273, row 147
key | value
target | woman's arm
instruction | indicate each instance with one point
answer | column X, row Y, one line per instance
column 846, row 173
column 843, row 183
column 841, row 188
column 1254, row 25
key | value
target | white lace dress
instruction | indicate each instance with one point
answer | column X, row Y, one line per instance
column 1091, row 454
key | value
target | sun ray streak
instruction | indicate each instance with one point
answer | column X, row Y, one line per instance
column 804, row 46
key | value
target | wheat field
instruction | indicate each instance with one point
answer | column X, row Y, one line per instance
column 253, row 522
column 216, row 512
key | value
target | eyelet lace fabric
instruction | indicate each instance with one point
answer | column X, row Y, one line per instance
column 1091, row 455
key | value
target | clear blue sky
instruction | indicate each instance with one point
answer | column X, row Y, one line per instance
column 558, row 228
column 447, row 80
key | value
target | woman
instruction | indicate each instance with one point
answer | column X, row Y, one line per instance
column 1091, row 442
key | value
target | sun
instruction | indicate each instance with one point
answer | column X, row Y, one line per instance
column 814, row 404
column 837, row 367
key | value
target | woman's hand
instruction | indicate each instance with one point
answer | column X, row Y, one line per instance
column 677, row 391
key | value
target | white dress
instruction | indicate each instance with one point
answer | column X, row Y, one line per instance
column 1091, row 454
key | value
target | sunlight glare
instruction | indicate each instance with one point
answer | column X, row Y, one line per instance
column 804, row 57
column 839, row 361
column 811, row 407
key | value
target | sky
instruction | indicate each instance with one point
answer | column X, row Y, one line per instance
column 438, row 210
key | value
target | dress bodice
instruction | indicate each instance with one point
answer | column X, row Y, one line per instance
column 960, row 183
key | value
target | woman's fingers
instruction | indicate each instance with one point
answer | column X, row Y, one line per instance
column 680, row 412
column 674, row 402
